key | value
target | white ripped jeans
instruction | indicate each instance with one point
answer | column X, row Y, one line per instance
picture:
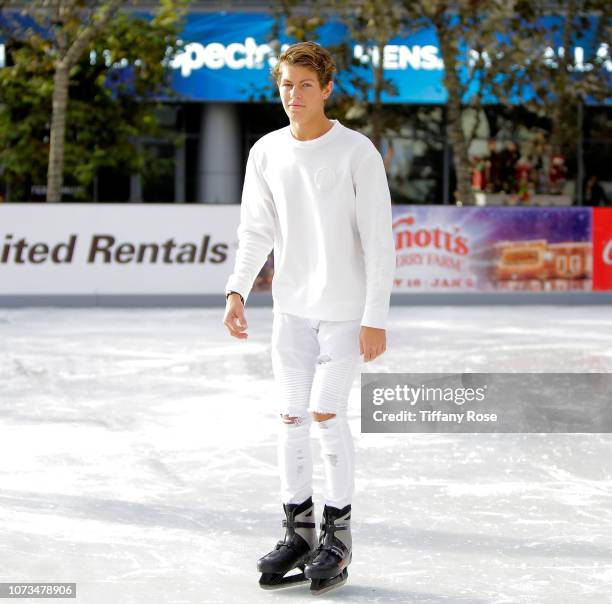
column 314, row 364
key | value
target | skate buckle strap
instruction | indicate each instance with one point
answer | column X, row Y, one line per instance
column 335, row 526
column 298, row 524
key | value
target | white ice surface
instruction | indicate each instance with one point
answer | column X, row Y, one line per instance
column 137, row 458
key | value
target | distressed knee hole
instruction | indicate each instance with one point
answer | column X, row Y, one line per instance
column 292, row 419
column 321, row 417
column 324, row 359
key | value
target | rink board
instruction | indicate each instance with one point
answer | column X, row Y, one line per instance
column 183, row 254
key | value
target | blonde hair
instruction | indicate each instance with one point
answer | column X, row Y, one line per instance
column 307, row 54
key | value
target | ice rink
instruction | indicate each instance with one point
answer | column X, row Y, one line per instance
column 137, row 459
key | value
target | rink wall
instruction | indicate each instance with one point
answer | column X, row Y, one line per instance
column 83, row 254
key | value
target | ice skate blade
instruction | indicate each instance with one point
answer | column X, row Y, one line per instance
column 271, row 581
column 322, row 586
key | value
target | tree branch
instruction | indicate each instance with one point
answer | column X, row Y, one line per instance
column 87, row 35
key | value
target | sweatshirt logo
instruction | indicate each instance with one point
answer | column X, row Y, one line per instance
column 325, row 178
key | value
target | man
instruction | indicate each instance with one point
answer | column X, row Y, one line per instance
column 317, row 192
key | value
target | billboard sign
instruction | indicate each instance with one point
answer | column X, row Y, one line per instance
column 84, row 248
column 227, row 56
column 476, row 249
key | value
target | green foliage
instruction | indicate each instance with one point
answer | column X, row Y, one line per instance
column 369, row 22
column 112, row 98
column 560, row 84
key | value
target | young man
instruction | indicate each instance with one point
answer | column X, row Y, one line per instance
column 317, row 193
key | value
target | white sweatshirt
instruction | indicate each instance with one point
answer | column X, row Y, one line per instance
column 325, row 208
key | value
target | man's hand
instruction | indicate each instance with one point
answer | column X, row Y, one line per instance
column 372, row 342
column 234, row 319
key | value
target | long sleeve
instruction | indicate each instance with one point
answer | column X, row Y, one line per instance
column 374, row 221
column 256, row 230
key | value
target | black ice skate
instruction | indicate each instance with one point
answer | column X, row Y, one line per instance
column 294, row 551
column 332, row 556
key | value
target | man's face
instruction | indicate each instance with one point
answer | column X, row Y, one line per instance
column 301, row 93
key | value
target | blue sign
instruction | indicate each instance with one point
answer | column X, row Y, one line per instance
column 227, row 58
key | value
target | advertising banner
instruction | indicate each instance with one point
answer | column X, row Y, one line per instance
column 474, row 249
column 602, row 248
column 83, row 248
column 115, row 248
column 227, row 56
